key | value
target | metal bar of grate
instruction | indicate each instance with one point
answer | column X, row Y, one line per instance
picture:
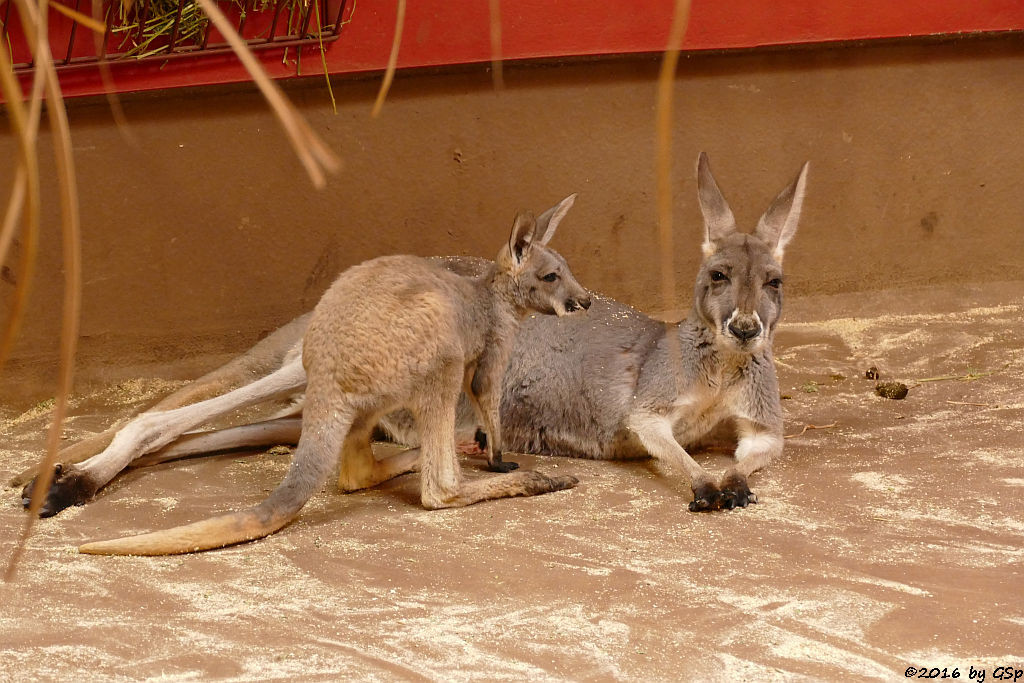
column 174, row 30
column 143, row 16
column 130, row 32
column 71, row 38
column 273, row 23
column 341, row 13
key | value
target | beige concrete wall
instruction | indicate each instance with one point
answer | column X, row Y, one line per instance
column 206, row 234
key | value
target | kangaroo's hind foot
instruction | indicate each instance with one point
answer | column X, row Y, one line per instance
column 69, row 487
column 521, row 483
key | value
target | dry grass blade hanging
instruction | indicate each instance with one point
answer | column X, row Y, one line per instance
column 71, row 241
column 113, row 101
column 323, row 55
column 83, row 19
column 389, row 73
column 312, row 152
column 666, row 79
column 496, row 73
column 25, row 192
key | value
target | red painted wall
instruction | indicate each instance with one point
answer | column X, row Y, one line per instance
column 456, row 32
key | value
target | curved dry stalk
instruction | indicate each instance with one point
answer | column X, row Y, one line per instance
column 497, row 76
column 389, row 72
column 109, row 89
column 71, row 242
column 663, row 132
column 14, row 206
column 323, row 54
column 24, row 195
column 312, row 152
column 809, row 427
column 85, row 20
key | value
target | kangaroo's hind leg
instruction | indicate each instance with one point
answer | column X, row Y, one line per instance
column 360, row 469
column 153, row 430
column 442, row 485
column 262, row 359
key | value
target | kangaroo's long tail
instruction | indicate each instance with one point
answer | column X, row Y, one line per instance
column 322, row 435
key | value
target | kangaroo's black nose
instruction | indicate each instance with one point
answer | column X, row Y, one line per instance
column 576, row 304
column 745, row 331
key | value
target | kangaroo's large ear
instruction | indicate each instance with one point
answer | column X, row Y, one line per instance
column 718, row 218
column 778, row 224
column 548, row 221
column 521, row 240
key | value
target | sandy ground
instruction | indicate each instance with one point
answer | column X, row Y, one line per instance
column 893, row 539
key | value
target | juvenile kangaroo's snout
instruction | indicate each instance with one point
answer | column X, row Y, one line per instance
column 572, row 305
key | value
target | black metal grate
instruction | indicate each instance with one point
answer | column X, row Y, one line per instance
column 159, row 30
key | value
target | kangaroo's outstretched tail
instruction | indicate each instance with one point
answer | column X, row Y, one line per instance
column 318, row 448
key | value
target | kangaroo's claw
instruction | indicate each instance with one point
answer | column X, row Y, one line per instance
column 706, row 498
column 69, row 487
column 496, row 464
column 736, row 493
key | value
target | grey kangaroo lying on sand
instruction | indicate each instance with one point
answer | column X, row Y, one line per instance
column 401, row 332
column 612, row 384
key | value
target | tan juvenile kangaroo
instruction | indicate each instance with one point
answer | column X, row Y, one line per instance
column 605, row 386
column 402, row 332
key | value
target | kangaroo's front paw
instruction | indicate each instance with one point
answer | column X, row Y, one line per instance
column 494, row 461
column 706, row 497
column 735, row 492
column 69, row 487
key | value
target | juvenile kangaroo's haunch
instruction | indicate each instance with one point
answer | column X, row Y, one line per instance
column 401, row 332
column 606, row 385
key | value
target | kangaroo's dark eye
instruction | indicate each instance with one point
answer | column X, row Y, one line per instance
column 550, row 277
column 718, row 276
column 774, row 283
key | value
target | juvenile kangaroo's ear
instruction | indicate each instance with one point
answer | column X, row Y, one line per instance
column 521, row 240
column 548, row 221
column 778, row 224
column 718, row 218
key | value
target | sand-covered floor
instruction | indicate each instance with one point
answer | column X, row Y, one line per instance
column 893, row 539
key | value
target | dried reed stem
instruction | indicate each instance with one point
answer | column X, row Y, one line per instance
column 389, row 72
column 666, row 79
column 496, row 73
column 71, row 242
column 312, row 152
column 26, row 184
column 83, row 19
column 323, row 55
column 808, row 427
column 663, row 131
column 109, row 89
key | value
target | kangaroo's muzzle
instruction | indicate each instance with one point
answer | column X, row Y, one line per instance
column 576, row 304
column 744, row 327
